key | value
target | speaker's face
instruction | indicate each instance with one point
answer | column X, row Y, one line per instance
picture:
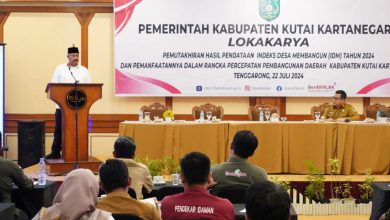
column 73, row 59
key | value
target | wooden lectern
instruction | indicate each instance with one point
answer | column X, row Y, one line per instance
column 75, row 100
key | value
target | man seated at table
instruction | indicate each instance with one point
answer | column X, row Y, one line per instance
column 267, row 200
column 124, row 149
column 237, row 171
column 115, row 181
column 341, row 111
column 195, row 202
column 12, row 173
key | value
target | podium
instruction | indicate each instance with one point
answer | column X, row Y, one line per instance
column 75, row 100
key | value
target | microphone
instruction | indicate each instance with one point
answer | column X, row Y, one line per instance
column 75, row 80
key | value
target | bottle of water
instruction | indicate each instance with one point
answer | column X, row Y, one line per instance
column 261, row 115
column 42, row 172
column 201, row 117
column 378, row 114
column 140, row 116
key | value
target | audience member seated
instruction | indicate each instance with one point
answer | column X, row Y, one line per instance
column 115, row 181
column 124, row 149
column 237, row 171
column 76, row 199
column 266, row 200
column 195, row 202
column 12, row 173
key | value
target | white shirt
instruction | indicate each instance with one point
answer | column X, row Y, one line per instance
column 62, row 74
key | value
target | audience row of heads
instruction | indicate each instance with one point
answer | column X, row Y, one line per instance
column 266, row 199
column 244, row 145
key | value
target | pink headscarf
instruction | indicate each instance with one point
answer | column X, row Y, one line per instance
column 76, row 198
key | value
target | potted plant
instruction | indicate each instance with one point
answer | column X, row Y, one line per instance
column 335, row 184
column 155, row 166
column 284, row 184
column 316, row 188
column 347, row 191
column 170, row 166
column 366, row 188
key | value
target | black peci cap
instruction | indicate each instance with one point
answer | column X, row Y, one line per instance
column 73, row 50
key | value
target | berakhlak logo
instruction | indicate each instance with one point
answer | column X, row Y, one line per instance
column 247, row 88
column 321, row 87
column 279, row 88
column 269, row 9
column 199, row 88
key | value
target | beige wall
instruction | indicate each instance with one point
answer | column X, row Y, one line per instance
column 37, row 42
column 101, row 67
column 299, row 105
column 384, row 101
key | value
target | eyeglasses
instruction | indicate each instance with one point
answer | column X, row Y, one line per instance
column 337, row 98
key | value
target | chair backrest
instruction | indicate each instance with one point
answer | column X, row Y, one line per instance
column 371, row 110
column 132, row 193
column 253, row 112
column 319, row 108
column 167, row 191
column 127, row 216
column 155, row 109
column 235, row 194
column 216, row 111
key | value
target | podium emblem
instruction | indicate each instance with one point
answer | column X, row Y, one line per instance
column 76, row 98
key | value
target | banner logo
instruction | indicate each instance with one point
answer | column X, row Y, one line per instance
column 269, row 9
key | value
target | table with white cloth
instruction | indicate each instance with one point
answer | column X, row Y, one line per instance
column 283, row 146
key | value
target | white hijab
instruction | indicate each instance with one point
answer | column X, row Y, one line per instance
column 76, row 199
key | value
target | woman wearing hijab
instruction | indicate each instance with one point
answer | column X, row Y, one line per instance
column 76, row 199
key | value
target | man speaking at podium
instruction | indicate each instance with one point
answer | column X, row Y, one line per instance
column 70, row 72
